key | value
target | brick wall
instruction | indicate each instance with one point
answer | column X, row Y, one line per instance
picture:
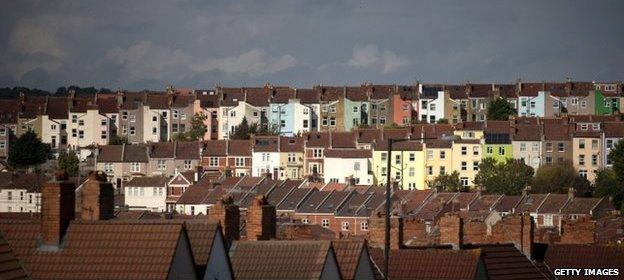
column 376, row 234
column 228, row 215
column 261, row 220
column 97, row 198
column 415, row 233
column 580, row 231
column 57, row 199
column 451, row 230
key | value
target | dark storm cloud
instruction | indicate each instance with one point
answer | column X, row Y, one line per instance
column 149, row 44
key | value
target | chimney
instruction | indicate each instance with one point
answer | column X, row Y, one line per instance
column 527, row 236
column 268, row 175
column 571, row 193
column 57, row 201
column 98, row 199
column 261, row 220
column 228, row 215
column 199, row 171
column 376, row 233
column 451, row 231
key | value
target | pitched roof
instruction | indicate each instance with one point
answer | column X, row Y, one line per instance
column 265, row 144
column 343, row 139
column 430, row 264
column 332, row 203
column 506, row 262
column 208, row 98
column 613, row 129
column 279, row 259
column 313, row 201
column 530, row 89
column 188, row 150
column 350, row 153
column 148, row 181
column 110, row 153
column 553, row 203
column 308, row 96
column 296, row 196
column 30, row 181
column 162, row 150
column 215, row 148
column 581, row 205
column 530, row 202
column 135, row 153
column 240, row 148
column 201, row 235
column 10, row 266
column 348, row 254
column 281, row 191
column 584, row 256
column 317, row 139
column 527, row 133
column 291, row 144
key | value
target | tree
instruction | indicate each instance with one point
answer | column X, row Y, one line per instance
column 179, row 136
column 608, row 185
column 28, row 150
column 117, row 140
column 500, row 109
column 69, row 162
column 198, row 127
column 448, row 183
column 242, row 131
column 617, row 158
column 557, row 178
column 509, row 177
column 442, row 121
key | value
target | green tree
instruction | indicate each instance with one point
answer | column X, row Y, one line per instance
column 28, row 150
column 442, row 121
column 608, row 185
column 500, row 109
column 117, row 140
column 69, row 162
column 509, row 177
column 557, row 178
column 617, row 158
column 448, row 183
column 243, row 131
column 198, row 127
column 180, row 136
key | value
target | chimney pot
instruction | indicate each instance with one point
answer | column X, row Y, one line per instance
column 97, row 198
column 57, row 210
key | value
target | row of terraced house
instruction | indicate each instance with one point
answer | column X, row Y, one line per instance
column 79, row 120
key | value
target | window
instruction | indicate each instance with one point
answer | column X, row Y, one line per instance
column 397, row 159
column 183, row 116
column 332, row 109
column 594, row 144
column 239, row 161
column 582, row 144
column 523, row 147
column 135, row 167
column 609, row 144
column 583, row 173
column 384, row 156
column 501, row 151
column 214, row 161
column 108, row 167
column 442, row 169
column 332, row 121
column 475, row 150
column 324, row 122
column 318, row 153
column 429, row 154
column 464, row 166
column 80, row 134
column 412, row 172
column 560, row 147
column 75, row 118
column 265, row 156
column 305, row 220
column 555, row 104
column 356, row 166
column 355, row 109
column 192, row 210
column 442, row 155
column 475, row 165
column 382, row 120
column 489, row 150
column 132, row 131
column 397, row 175
column 383, row 171
column 429, row 170
column 549, row 147
column 132, row 118
column 548, row 160
column 535, row 147
column 464, row 181
column 187, row 165
column 581, row 159
column 548, row 220
column 305, row 123
column 9, row 195
column 161, row 164
column 594, row 160
column 432, row 106
column 325, row 223
column 103, row 134
column 584, row 104
column 596, row 126
column 364, row 226
column 344, row 226
column 464, row 150
column 412, row 157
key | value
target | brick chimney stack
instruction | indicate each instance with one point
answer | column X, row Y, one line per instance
column 377, row 233
column 228, row 215
column 451, row 231
column 98, row 200
column 58, row 200
column 261, row 220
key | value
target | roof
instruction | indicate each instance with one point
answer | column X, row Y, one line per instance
column 265, row 144
column 240, row 148
column 507, row 203
column 348, row 254
column 581, row 205
column 99, row 250
column 149, row 181
column 281, row 191
column 291, row 144
column 506, row 262
column 557, row 132
column 332, row 202
column 553, row 203
column 292, row 200
column 317, row 140
column 10, row 267
column 162, row 150
column 188, row 150
column 350, row 153
column 31, row 182
column 593, row 256
column 110, row 153
column 201, row 233
column 308, row 96
column 530, row 202
column 135, row 153
column 430, row 264
column 279, row 259
column 343, row 139
column 613, row 129
column 527, row 133
column 350, row 207
column 313, row 201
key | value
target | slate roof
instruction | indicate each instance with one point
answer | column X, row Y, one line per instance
column 313, row 201
column 350, row 207
column 162, row 150
column 317, row 139
column 208, row 98
column 281, row 191
column 135, row 153
column 529, row 203
column 308, row 96
column 279, row 259
column 265, row 144
column 530, row 89
column 332, row 202
column 507, row 203
column 430, row 264
column 31, row 182
column 292, row 200
column 581, row 205
column 343, row 139
column 110, row 153
column 553, row 203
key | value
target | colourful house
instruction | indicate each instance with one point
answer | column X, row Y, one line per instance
column 497, row 142
column 356, row 108
column 439, row 159
column 606, row 103
column 407, row 166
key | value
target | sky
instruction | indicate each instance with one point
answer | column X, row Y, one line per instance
column 137, row 45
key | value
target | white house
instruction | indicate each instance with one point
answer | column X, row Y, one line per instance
column 265, row 156
column 343, row 164
column 146, row 193
column 431, row 106
column 20, row 192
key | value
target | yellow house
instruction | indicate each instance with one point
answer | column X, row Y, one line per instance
column 438, row 159
column 587, row 152
column 466, row 158
column 407, row 164
column 291, row 157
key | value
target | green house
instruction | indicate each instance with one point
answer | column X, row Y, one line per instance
column 606, row 103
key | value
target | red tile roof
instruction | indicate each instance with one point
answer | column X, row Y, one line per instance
column 350, row 153
column 10, row 267
column 279, row 259
column 430, row 264
column 348, row 254
column 584, row 256
column 505, row 262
